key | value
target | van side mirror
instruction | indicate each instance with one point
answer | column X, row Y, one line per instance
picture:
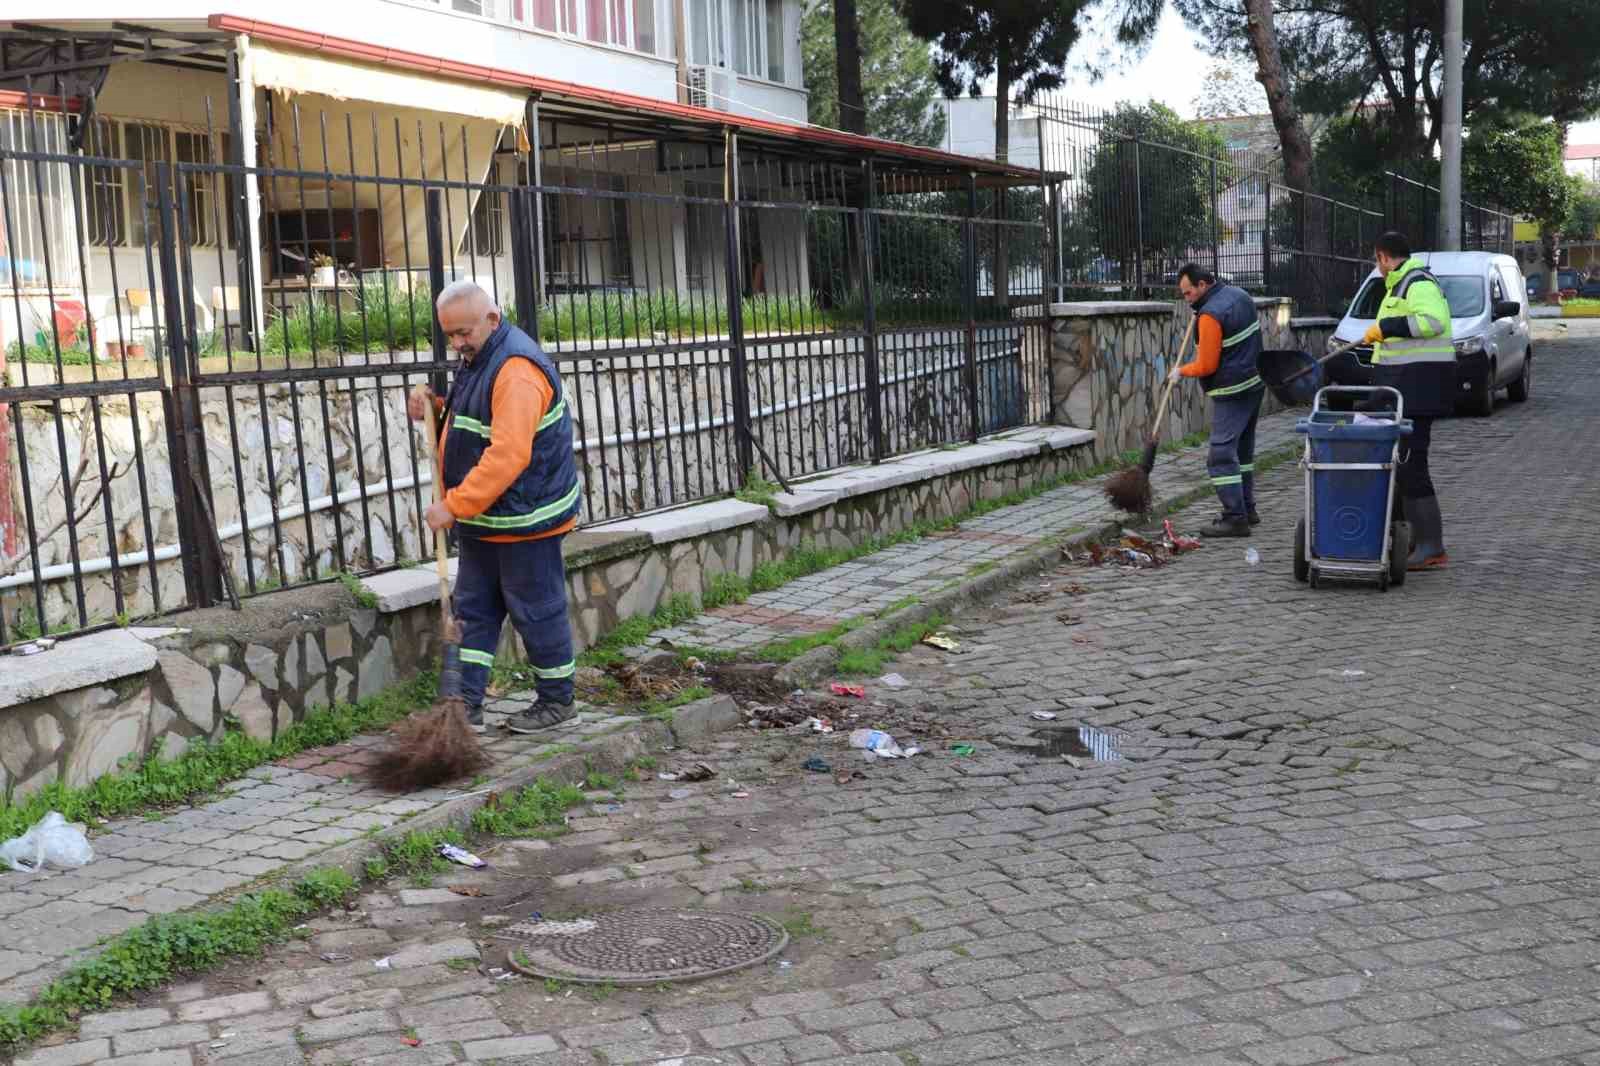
column 1507, row 309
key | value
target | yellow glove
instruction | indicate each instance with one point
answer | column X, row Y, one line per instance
column 1373, row 335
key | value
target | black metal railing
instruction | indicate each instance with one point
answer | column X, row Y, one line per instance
column 209, row 357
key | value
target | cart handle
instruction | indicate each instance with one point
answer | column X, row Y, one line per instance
column 1399, row 397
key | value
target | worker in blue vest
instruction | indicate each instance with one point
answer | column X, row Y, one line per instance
column 512, row 494
column 1228, row 341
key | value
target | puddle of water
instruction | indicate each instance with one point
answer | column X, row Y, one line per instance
column 1079, row 742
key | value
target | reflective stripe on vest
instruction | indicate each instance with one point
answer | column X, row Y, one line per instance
column 1231, row 390
column 1254, row 327
column 472, row 425
column 513, row 521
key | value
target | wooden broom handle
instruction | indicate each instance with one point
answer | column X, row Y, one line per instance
column 1166, row 395
column 438, row 497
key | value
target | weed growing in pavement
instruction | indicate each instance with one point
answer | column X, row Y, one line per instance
column 461, row 965
column 375, row 869
column 870, row 661
column 640, row 768
column 416, row 855
column 168, row 945
column 596, row 780
column 750, row 884
column 363, row 596
column 797, row 923
column 538, row 808
column 200, row 771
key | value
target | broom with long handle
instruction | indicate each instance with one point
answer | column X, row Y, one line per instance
column 438, row 746
column 1129, row 489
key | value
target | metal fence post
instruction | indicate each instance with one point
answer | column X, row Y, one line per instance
column 1266, row 240
column 1138, row 223
column 244, row 257
column 738, row 367
column 869, row 309
column 191, row 481
column 969, row 288
column 433, row 216
column 1216, row 224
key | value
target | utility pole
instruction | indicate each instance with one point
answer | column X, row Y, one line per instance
column 1450, row 133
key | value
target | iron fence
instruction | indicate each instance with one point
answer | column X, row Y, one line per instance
column 209, row 359
column 1131, row 208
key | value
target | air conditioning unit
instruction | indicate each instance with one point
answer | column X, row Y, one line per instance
column 711, row 87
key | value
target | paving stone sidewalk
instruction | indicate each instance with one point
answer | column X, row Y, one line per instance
column 292, row 811
column 868, row 585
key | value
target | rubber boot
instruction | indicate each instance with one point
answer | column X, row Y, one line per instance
column 1427, row 534
column 1234, row 520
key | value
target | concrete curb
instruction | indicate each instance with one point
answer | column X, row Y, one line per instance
column 819, row 662
column 610, row 751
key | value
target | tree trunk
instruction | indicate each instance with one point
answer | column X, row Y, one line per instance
column 1001, row 259
column 847, row 55
column 1285, row 117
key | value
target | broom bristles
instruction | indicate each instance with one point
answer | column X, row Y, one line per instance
column 429, row 749
column 1129, row 490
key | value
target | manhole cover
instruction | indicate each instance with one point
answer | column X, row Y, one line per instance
column 643, row 947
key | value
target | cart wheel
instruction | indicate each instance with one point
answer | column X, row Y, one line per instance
column 1383, row 581
column 1302, row 567
column 1399, row 551
column 1313, row 579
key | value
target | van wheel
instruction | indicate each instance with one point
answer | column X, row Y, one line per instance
column 1517, row 391
column 1481, row 402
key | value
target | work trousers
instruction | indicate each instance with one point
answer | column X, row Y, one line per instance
column 1412, row 477
column 1231, row 461
column 526, row 580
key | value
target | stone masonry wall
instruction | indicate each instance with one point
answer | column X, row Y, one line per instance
column 261, row 670
column 1108, row 367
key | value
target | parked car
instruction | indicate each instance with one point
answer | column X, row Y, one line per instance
column 1589, row 288
column 1488, row 323
column 1569, row 284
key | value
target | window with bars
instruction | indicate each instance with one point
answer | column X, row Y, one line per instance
column 120, row 202
column 487, row 235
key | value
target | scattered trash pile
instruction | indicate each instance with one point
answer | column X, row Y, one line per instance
column 1134, row 552
column 53, row 842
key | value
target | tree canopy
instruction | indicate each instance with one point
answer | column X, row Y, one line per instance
column 898, row 85
column 1518, row 166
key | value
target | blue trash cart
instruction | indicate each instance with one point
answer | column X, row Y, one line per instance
column 1348, row 531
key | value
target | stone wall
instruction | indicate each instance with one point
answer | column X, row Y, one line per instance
column 1108, row 363
column 261, row 669
column 258, row 672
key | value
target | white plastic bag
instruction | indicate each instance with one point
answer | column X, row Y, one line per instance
column 53, row 841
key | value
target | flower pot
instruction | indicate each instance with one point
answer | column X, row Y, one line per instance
column 135, row 350
column 322, row 276
column 113, row 350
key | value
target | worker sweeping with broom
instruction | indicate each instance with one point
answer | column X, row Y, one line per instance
column 1228, row 344
column 511, row 492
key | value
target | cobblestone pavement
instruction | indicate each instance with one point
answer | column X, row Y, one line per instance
column 1344, row 826
column 275, row 816
column 868, row 585
column 312, row 802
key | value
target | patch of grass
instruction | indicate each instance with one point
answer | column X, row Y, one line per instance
column 595, row 780
column 375, row 869
column 363, row 596
column 461, row 965
column 858, row 662
column 663, row 708
column 169, row 945
column 758, row 490
column 798, row 923
column 723, row 590
column 750, row 884
column 535, row 809
column 416, row 855
column 154, row 783
column 677, row 609
column 982, row 568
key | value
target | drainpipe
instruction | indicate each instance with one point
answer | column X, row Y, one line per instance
column 680, row 40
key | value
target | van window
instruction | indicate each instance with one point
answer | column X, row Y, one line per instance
column 1497, row 288
column 1462, row 292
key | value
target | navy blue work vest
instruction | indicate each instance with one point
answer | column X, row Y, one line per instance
column 1235, row 312
column 545, row 494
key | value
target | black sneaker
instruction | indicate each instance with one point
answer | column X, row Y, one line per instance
column 541, row 716
column 1228, row 527
column 475, row 719
column 1254, row 518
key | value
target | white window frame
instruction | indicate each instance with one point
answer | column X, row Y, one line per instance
column 207, row 229
column 745, row 31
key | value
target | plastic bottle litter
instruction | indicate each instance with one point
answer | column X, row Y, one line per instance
column 894, row 680
column 1252, row 557
column 880, row 744
column 53, row 841
column 461, row 856
column 1043, row 716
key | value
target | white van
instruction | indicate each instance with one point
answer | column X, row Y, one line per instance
column 1488, row 320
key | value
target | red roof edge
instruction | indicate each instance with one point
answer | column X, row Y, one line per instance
column 16, row 98
column 368, row 53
